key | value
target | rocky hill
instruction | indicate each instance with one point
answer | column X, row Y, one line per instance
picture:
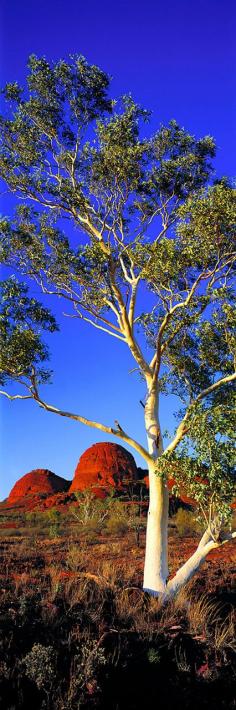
column 39, row 482
column 102, row 467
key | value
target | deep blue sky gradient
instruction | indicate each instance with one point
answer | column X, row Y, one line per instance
column 178, row 59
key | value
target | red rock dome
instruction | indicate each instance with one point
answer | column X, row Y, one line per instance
column 104, row 465
column 38, row 482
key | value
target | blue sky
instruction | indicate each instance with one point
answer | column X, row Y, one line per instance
column 178, row 59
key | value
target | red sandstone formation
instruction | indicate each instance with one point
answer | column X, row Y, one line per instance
column 40, row 482
column 104, row 465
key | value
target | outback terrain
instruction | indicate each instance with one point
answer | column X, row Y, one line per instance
column 77, row 631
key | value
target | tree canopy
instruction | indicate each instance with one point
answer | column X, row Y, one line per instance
column 150, row 225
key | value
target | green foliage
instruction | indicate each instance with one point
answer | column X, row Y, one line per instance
column 39, row 666
column 100, row 175
column 87, row 664
column 91, row 511
column 35, row 519
column 116, row 525
column 208, row 475
column 153, row 656
column 47, row 522
column 110, row 515
column 199, row 336
column 53, row 518
column 207, row 224
column 151, row 220
column 186, row 522
column 21, row 321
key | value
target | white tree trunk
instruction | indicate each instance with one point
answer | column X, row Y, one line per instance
column 156, row 557
column 187, row 571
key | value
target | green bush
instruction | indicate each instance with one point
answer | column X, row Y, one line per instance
column 91, row 511
column 39, row 666
column 35, row 519
column 186, row 522
column 76, row 558
column 153, row 656
column 116, row 526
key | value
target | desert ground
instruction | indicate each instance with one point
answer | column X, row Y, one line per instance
column 77, row 631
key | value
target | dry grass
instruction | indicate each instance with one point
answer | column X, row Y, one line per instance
column 186, row 523
column 77, row 556
column 202, row 613
column 224, row 635
column 79, row 597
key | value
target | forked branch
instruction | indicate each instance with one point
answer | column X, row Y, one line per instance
column 184, row 425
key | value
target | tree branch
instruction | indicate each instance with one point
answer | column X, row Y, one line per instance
column 96, row 325
column 183, row 427
column 156, row 360
column 15, row 396
column 214, row 386
column 180, row 433
column 133, row 302
column 74, row 299
column 125, row 325
column 190, row 567
column 119, row 432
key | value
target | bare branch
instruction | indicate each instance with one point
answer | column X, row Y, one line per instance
column 215, row 385
column 125, row 324
column 133, row 302
column 96, row 325
column 118, row 432
column 183, row 427
column 15, row 396
column 156, row 360
column 74, row 299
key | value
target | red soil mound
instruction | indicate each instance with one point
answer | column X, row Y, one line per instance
column 40, row 482
column 104, row 465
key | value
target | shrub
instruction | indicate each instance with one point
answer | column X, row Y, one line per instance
column 225, row 635
column 153, row 655
column 35, row 519
column 40, row 666
column 55, row 581
column 135, row 521
column 77, row 557
column 91, row 657
column 85, row 671
column 53, row 519
column 116, row 526
column 91, row 512
column 202, row 613
column 186, row 522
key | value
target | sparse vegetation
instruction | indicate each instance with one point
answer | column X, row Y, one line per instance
column 149, row 216
column 186, row 522
column 76, row 625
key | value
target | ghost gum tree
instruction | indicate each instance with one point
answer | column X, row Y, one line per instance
column 151, row 228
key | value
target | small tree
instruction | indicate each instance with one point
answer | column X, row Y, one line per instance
column 155, row 227
column 91, row 512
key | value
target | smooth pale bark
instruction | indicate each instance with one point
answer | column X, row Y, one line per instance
column 189, row 568
column 156, row 556
column 187, row 571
